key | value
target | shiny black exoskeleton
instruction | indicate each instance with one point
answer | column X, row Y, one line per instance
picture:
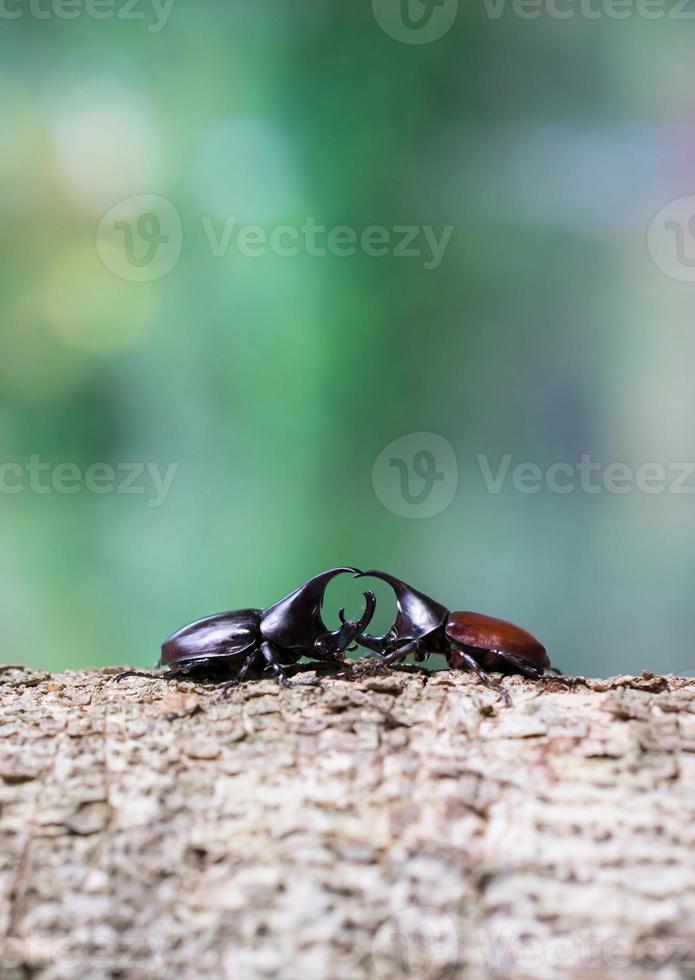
column 468, row 640
column 248, row 641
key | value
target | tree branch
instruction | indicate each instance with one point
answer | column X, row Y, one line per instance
column 395, row 826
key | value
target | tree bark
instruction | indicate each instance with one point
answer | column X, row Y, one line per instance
column 396, row 826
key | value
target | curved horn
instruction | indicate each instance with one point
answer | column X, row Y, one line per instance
column 369, row 609
column 295, row 622
column 337, row 642
column 418, row 614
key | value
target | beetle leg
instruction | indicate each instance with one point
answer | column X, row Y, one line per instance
column 138, row 673
column 460, row 654
column 280, row 676
column 271, row 661
column 398, row 653
column 528, row 670
column 161, row 675
column 406, row 647
column 245, row 668
column 558, row 675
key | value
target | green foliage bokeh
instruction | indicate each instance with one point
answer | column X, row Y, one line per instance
column 273, row 382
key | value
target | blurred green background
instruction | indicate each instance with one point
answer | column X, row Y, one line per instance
column 274, row 382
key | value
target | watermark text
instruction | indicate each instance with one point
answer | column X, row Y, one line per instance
column 36, row 475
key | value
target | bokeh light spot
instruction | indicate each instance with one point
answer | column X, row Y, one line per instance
column 89, row 308
column 244, row 169
column 106, row 149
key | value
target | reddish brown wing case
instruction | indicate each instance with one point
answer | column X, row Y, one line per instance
column 489, row 633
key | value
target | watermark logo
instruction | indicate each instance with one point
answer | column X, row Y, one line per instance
column 415, row 21
column 416, row 476
column 671, row 239
column 141, row 238
column 416, row 944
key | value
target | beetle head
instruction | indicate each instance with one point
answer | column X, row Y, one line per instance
column 295, row 623
column 332, row 646
column 417, row 616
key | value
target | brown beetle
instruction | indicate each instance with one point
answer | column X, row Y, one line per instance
column 467, row 639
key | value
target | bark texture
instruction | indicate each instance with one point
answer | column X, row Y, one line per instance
column 395, row 827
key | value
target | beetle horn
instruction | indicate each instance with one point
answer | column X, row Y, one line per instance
column 350, row 630
column 366, row 618
column 418, row 614
column 295, row 622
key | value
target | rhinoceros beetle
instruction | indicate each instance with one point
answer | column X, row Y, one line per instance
column 467, row 639
column 247, row 641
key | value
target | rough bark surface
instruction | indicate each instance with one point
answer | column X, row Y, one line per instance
column 395, row 826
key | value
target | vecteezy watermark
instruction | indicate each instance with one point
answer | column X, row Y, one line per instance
column 415, row 21
column 591, row 9
column 415, row 944
column 671, row 238
column 39, row 476
column 416, row 476
column 341, row 241
column 155, row 12
column 594, row 952
column 421, row 942
column 587, row 476
column 140, row 953
column 141, row 239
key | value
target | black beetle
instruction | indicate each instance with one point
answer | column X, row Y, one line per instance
column 251, row 640
column 467, row 639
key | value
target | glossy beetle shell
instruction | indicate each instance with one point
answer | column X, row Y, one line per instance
column 469, row 641
column 492, row 636
column 249, row 640
column 223, row 636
